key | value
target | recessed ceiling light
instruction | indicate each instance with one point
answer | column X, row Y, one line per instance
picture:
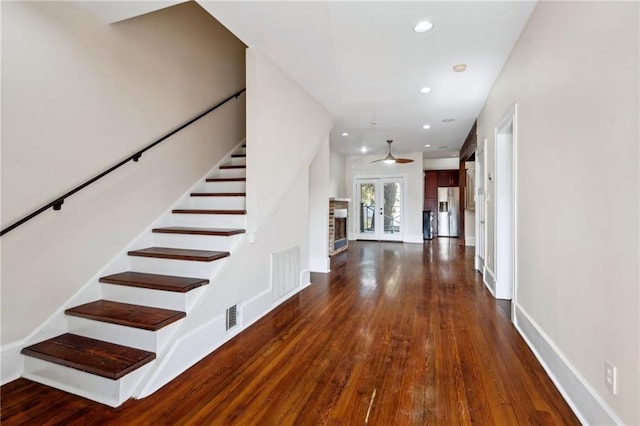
column 460, row 67
column 427, row 146
column 374, row 122
column 363, row 149
column 423, row 27
column 425, row 90
column 448, row 120
column 345, row 134
column 426, row 126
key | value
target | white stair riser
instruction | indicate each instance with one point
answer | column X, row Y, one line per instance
column 197, row 242
column 152, row 341
column 236, row 221
column 223, row 203
column 240, row 186
column 228, row 173
column 97, row 388
column 181, row 268
column 239, row 160
column 154, row 298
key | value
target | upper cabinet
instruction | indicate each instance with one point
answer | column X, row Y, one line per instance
column 448, row 178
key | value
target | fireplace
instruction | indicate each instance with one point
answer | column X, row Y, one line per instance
column 338, row 214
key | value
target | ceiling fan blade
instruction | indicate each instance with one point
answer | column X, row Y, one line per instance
column 377, row 161
column 404, row 160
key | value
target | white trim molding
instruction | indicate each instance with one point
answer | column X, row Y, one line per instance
column 11, row 361
column 488, row 278
column 583, row 400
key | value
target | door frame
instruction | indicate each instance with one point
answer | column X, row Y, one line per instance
column 356, row 203
column 505, row 206
column 481, row 211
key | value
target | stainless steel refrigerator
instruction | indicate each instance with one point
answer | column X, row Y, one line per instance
column 448, row 211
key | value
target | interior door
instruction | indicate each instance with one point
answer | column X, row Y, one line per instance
column 380, row 209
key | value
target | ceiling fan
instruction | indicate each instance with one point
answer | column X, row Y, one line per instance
column 390, row 159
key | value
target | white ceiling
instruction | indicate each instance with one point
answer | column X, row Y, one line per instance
column 364, row 63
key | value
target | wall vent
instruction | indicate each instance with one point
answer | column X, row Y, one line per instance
column 232, row 317
column 285, row 272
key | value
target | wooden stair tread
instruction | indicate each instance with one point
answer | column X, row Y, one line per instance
column 233, row 166
column 224, row 232
column 238, row 156
column 224, row 179
column 155, row 281
column 136, row 316
column 179, row 254
column 204, row 211
column 90, row 355
column 218, row 194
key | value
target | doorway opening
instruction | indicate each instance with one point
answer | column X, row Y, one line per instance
column 380, row 209
column 504, row 199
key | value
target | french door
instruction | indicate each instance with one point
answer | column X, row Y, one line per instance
column 380, row 208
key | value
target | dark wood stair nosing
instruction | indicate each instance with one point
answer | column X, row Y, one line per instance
column 233, row 166
column 224, row 179
column 222, row 232
column 218, row 194
column 207, row 211
column 170, row 283
column 238, row 155
column 126, row 314
column 179, row 254
column 104, row 359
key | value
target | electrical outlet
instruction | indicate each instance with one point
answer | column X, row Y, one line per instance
column 610, row 377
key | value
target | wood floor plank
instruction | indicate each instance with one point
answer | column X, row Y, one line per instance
column 414, row 323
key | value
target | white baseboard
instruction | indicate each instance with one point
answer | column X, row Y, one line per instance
column 470, row 241
column 489, row 280
column 11, row 361
column 587, row 405
column 418, row 239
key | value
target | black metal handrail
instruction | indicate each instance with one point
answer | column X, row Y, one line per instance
column 57, row 203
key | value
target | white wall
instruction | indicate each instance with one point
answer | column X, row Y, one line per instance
column 337, row 175
column 575, row 82
column 114, row 11
column 319, row 210
column 79, row 95
column 285, row 129
column 360, row 166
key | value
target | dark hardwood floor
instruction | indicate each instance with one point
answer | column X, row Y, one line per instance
column 396, row 334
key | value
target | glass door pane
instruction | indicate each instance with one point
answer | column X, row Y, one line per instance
column 392, row 216
column 367, row 209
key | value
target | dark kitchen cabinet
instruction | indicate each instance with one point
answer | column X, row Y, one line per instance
column 432, row 180
column 447, row 178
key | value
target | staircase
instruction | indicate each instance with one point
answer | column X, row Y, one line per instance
column 111, row 344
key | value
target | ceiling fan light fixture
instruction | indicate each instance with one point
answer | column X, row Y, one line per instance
column 423, row 27
column 390, row 159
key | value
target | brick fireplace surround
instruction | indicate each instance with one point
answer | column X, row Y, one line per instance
column 341, row 229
